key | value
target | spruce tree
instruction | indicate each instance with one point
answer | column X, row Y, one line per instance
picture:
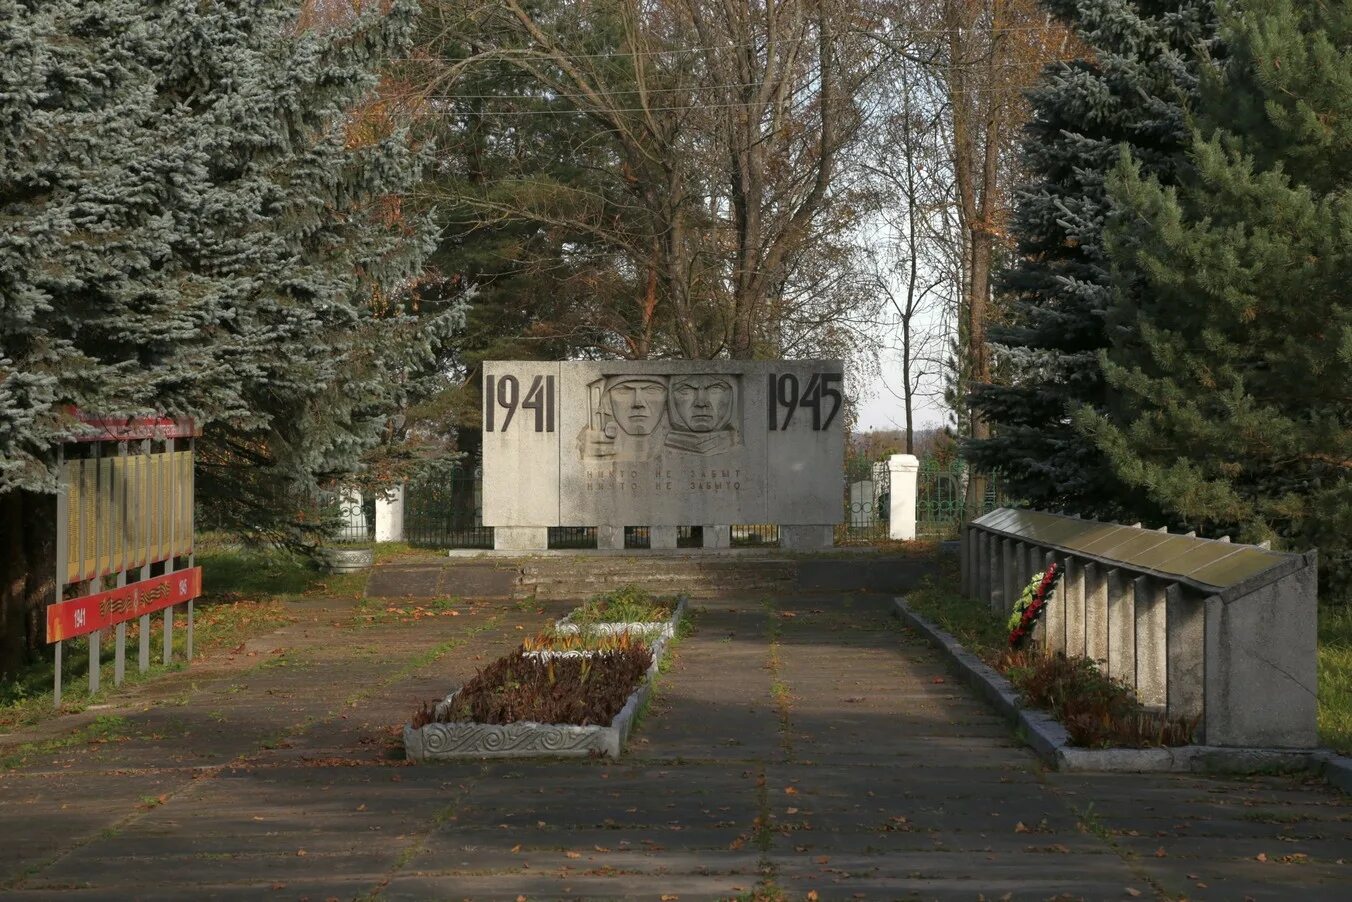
column 1130, row 90
column 1232, row 347
column 201, row 215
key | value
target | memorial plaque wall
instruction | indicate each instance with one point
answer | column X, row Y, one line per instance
column 663, row 443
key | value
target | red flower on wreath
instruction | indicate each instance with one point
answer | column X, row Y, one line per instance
column 1035, row 607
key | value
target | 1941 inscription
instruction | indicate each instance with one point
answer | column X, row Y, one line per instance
column 505, row 392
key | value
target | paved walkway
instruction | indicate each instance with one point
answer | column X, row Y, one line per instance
column 801, row 744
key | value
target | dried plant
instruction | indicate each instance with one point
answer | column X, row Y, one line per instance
column 1097, row 710
column 574, row 690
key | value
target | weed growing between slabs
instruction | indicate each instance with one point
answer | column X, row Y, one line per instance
column 1096, row 710
column 1335, row 677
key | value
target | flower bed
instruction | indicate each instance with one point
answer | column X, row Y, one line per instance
column 522, row 706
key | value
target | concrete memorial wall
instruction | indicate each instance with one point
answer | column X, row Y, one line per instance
column 662, row 444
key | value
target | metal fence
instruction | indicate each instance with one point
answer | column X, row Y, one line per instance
column 753, row 535
column 448, row 514
column 941, row 498
column 573, row 537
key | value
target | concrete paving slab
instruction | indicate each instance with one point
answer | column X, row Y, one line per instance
column 902, row 780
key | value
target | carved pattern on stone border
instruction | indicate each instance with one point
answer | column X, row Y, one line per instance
column 470, row 739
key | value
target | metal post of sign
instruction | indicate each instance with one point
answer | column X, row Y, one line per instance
column 94, row 661
column 120, row 526
column 169, row 523
column 168, row 634
column 96, row 578
column 191, row 527
column 144, row 656
column 144, row 537
column 62, row 555
column 120, row 655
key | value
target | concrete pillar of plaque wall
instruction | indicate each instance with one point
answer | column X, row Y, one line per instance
column 662, row 537
column 996, row 570
column 902, row 469
column 1151, row 637
column 806, row 536
column 390, row 515
column 521, row 538
column 1072, row 593
column 716, row 536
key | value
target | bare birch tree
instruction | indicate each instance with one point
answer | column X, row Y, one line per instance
column 717, row 131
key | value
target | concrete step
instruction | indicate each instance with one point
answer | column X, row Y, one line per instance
column 581, row 575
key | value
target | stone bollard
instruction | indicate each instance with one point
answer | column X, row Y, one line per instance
column 902, row 469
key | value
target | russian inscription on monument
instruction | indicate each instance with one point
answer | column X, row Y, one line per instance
column 663, row 443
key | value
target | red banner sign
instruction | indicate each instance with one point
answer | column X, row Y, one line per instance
column 128, row 429
column 79, row 616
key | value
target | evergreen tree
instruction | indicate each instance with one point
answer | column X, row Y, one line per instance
column 200, row 217
column 1233, row 343
column 1130, row 90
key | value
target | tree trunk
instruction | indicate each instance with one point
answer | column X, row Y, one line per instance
column 27, row 576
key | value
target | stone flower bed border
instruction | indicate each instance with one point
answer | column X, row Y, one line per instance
column 527, row 739
column 663, row 628
column 1048, row 738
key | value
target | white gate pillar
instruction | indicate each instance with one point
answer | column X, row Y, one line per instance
column 901, row 515
column 390, row 515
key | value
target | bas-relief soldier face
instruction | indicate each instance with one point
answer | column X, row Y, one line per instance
column 701, row 403
column 637, row 404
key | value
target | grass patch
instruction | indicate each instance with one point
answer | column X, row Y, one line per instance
column 976, row 627
column 629, row 604
column 1096, row 710
column 1335, row 677
column 243, row 592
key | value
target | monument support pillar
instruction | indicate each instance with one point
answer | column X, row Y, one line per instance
column 661, row 537
column 611, row 537
column 717, row 536
column 807, row 537
column 525, row 538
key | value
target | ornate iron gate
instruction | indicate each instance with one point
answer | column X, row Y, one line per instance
column 868, row 494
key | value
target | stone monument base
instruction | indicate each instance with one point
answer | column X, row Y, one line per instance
column 808, row 537
column 525, row 538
